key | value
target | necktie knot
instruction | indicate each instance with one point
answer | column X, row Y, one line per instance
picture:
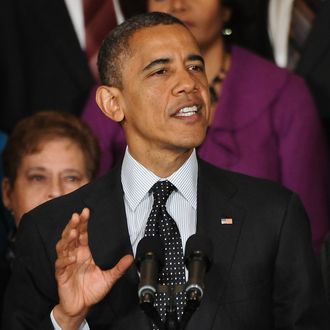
column 161, row 191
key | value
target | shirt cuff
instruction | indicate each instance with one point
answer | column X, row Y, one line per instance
column 83, row 326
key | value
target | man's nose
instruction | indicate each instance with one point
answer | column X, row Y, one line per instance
column 186, row 83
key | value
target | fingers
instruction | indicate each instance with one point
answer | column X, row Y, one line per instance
column 83, row 226
column 74, row 234
column 114, row 274
column 123, row 264
column 69, row 235
column 62, row 263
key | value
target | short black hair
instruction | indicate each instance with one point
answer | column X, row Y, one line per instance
column 116, row 45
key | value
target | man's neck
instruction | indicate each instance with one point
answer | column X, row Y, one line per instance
column 161, row 163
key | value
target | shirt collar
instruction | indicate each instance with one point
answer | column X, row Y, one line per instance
column 137, row 180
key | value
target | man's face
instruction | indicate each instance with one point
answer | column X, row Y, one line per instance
column 165, row 91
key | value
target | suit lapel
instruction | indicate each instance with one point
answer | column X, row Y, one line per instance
column 108, row 232
column 55, row 19
column 215, row 204
column 109, row 241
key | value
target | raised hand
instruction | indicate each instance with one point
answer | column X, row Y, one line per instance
column 81, row 283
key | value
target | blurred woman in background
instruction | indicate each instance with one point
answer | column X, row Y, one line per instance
column 48, row 155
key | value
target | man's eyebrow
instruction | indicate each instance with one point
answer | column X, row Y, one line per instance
column 195, row 57
column 156, row 62
column 166, row 60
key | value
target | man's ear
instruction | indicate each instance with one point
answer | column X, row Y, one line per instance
column 109, row 100
column 6, row 191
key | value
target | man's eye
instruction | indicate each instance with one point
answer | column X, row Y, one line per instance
column 160, row 72
column 199, row 68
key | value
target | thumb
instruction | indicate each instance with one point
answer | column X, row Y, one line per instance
column 115, row 273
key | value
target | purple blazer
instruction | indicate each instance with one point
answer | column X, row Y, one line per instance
column 265, row 125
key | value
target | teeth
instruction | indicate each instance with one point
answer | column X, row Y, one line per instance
column 187, row 111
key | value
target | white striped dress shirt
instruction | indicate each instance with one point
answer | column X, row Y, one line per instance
column 181, row 204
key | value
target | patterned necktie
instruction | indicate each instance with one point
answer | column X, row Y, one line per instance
column 160, row 223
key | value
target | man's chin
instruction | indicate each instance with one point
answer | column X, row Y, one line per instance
column 187, row 146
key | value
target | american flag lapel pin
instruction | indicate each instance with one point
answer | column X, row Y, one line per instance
column 226, row 221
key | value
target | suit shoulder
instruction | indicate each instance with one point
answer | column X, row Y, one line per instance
column 244, row 185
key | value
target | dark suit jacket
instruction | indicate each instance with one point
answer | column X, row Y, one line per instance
column 263, row 274
column 42, row 66
column 314, row 64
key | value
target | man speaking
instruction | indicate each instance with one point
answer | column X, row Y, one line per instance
column 74, row 266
